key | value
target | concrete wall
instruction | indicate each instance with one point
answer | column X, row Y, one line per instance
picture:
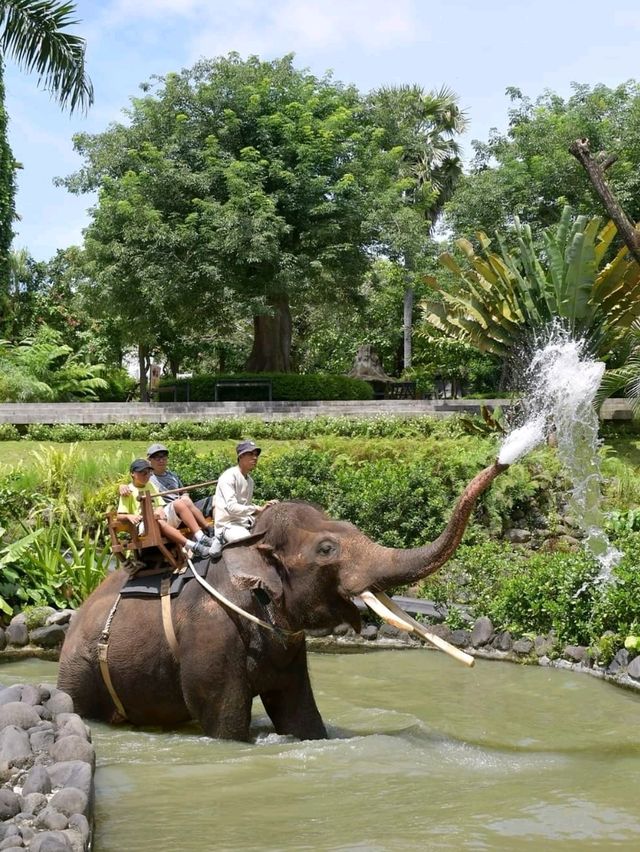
column 163, row 412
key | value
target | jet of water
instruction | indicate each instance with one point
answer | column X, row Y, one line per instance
column 561, row 382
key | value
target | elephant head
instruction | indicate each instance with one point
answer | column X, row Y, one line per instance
column 315, row 565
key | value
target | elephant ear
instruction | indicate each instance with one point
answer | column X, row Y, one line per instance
column 253, row 568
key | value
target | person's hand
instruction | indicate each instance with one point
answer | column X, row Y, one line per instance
column 124, row 490
column 135, row 519
column 160, row 514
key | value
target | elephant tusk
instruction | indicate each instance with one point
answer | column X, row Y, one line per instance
column 389, row 610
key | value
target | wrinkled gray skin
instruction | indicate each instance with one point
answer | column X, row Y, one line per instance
column 308, row 565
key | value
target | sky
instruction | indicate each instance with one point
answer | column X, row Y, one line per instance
column 475, row 47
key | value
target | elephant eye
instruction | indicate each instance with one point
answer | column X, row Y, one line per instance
column 326, row 548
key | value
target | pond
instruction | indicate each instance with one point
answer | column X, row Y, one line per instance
column 422, row 754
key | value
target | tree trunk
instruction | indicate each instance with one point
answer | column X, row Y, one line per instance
column 144, row 362
column 271, row 352
column 408, row 326
column 595, row 169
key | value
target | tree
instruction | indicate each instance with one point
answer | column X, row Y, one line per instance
column 240, row 187
column 505, row 299
column 422, row 128
column 529, row 172
column 33, row 33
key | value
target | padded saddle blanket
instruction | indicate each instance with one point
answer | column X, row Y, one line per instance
column 146, row 584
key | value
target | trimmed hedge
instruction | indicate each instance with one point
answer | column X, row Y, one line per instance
column 288, row 387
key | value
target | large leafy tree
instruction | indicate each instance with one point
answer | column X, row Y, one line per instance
column 506, row 298
column 238, row 188
column 35, row 34
column 528, row 171
column 422, row 129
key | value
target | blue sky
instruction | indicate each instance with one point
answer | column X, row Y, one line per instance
column 476, row 47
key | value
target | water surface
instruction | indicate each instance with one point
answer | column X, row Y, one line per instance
column 422, row 754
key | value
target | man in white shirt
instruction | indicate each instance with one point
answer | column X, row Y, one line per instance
column 234, row 512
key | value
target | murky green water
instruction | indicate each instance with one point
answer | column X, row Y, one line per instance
column 423, row 754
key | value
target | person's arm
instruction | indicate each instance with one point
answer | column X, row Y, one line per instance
column 125, row 508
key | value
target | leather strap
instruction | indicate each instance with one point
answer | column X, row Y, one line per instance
column 103, row 660
column 167, row 620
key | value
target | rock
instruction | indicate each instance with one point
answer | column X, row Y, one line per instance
column 33, row 803
column 517, row 536
column 47, row 637
column 30, row 695
column 17, row 634
column 18, row 714
column 502, row 641
column 9, row 829
column 441, row 630
column 633, row 669
column 42, row 741
column 70, row 801
column 63, row 616
column 81, row 824
column 73, row 748
column 59, row 702
column 15, row 747
column 13, row 842
column 10, row 694
column 619, row 662
column 482, row 632
column 36, row 616
column 51, row 841
column 523, row 646
column 71, row 723
column 343, row 630
column 460, row 638
column 3, row 639
column 37, row 781
column 52, row 819
column 319, row 632
column 10, row 804
column 388, row 631
column 575, row 653
column 542, row 645
column 369, row 632
column 434, row 612
column 72, row 773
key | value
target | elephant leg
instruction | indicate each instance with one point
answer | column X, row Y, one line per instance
column 223, row 710
column 293, row 709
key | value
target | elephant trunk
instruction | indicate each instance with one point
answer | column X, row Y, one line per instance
column 390, row 567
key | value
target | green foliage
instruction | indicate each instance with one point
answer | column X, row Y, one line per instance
column 7, row 206
column 285, row 386
column 34, row 33
column 505, row 299
column 528, row 171
column 44, row 368
column 9, row 432
column 234, row 428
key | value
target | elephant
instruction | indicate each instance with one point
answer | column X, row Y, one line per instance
column 299, row 570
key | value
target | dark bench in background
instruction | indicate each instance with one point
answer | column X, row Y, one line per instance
column 243, row 383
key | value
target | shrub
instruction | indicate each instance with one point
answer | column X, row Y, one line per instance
column 8, row 432
column 285, row 386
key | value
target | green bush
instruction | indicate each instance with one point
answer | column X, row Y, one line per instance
column 285, row 386
column 8, row 432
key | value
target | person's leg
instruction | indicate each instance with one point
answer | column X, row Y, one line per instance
column 172, row 534
column 195, row 511
column 235, row 532
column 205, row 506
column 185, row 514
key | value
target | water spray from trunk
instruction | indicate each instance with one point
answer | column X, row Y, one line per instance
column 561, row 382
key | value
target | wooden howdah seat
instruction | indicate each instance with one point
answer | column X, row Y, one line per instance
column 125, row 536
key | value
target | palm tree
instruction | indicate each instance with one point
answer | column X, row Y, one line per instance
column 426, row 125
column 33, row 33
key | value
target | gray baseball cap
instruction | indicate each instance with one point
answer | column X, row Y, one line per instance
column 156, row 448
column 247, row 447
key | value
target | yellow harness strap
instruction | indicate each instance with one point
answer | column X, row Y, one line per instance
column 167, row 621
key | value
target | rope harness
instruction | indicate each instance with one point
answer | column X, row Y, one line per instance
column 169, row 632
